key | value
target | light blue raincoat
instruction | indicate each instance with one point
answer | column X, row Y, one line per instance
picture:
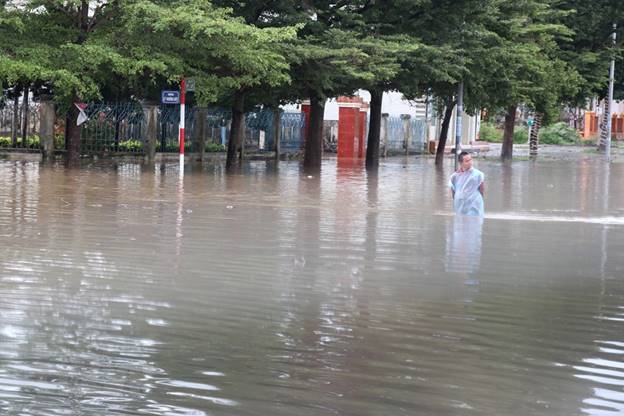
column 468, row 200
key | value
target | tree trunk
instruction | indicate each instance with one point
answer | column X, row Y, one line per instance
column 448, row 113
column 314, row 141
column 510, row 124
column 151, row 136
column 236, row 131
column 47, row 116
column 72, row 134
column 15, row 121
column 25, row 118
column 534, row 138
column 374, row 130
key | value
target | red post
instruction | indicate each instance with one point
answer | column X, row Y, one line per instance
column 182, row 115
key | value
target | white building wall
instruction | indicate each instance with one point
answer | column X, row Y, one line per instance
column 395, row 105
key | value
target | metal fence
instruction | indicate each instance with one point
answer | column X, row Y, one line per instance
column 405, row 135
column 13, row 135
column 112, row 128
column 121, row 128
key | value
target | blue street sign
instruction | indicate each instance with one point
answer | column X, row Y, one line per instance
column 170, row 97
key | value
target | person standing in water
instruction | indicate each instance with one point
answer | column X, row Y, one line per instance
column 467, row 187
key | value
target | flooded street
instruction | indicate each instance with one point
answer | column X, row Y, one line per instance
column 125, row 291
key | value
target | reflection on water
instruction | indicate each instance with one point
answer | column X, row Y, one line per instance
column 463, row 248
column 129, row 291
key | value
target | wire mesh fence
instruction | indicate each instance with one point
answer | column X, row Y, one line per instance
column 19, row 124
column 292, row 128
column 405, row 135
column 112, row 128
column 122, row 128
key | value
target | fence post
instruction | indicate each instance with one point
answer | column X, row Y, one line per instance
column 277, row 124
column 384, row 133
column 47, row 116
column 15, row 122
column 406, row 131
column 25, row 117
column 244, row 136
column 151, row 132
column 200, row 133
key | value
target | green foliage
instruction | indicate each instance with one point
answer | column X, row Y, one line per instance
column 521, row 136
column 559, row 133
column 590, row 50
column 540, row 53
column 32, row 142
column 195, row 39
column 59, row 141
column 215, row 147
column 130, row 145
column 490, row 133
column 174, row 147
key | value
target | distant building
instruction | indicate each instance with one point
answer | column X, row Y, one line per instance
column 395, row 105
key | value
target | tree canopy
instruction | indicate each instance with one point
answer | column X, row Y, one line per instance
column 538, row 53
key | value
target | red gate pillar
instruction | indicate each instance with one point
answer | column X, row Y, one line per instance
column 348, row 121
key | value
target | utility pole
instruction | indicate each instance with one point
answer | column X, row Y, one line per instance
column 610, row 98
column 458, row 121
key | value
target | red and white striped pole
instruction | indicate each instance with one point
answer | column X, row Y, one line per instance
column 182, row 114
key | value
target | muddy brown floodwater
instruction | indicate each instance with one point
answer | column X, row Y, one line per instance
column 270, row 292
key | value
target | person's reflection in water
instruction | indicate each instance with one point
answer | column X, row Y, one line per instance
column 463, row 246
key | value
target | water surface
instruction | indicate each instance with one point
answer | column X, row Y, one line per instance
column 271, row 292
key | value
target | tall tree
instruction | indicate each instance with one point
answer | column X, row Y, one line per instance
column 522, row 64
column 328, row 60
column 226, row 56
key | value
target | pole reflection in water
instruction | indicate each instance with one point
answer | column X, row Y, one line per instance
column 463, row 245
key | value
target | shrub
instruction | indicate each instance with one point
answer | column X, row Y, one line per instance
column 214, row 147
column 130, row 145
column 521, row 135
column 559, row 133
column 59, row 141
column 173, row 147
column 33, row 142
column 489, row 133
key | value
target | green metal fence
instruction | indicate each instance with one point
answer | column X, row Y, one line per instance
column 122, row 128
column 113, row 128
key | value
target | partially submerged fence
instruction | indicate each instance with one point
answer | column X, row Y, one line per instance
column 122, row 127
column 403, row 135
column 19, row 125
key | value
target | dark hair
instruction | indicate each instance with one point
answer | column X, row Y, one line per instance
column 461, row 156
